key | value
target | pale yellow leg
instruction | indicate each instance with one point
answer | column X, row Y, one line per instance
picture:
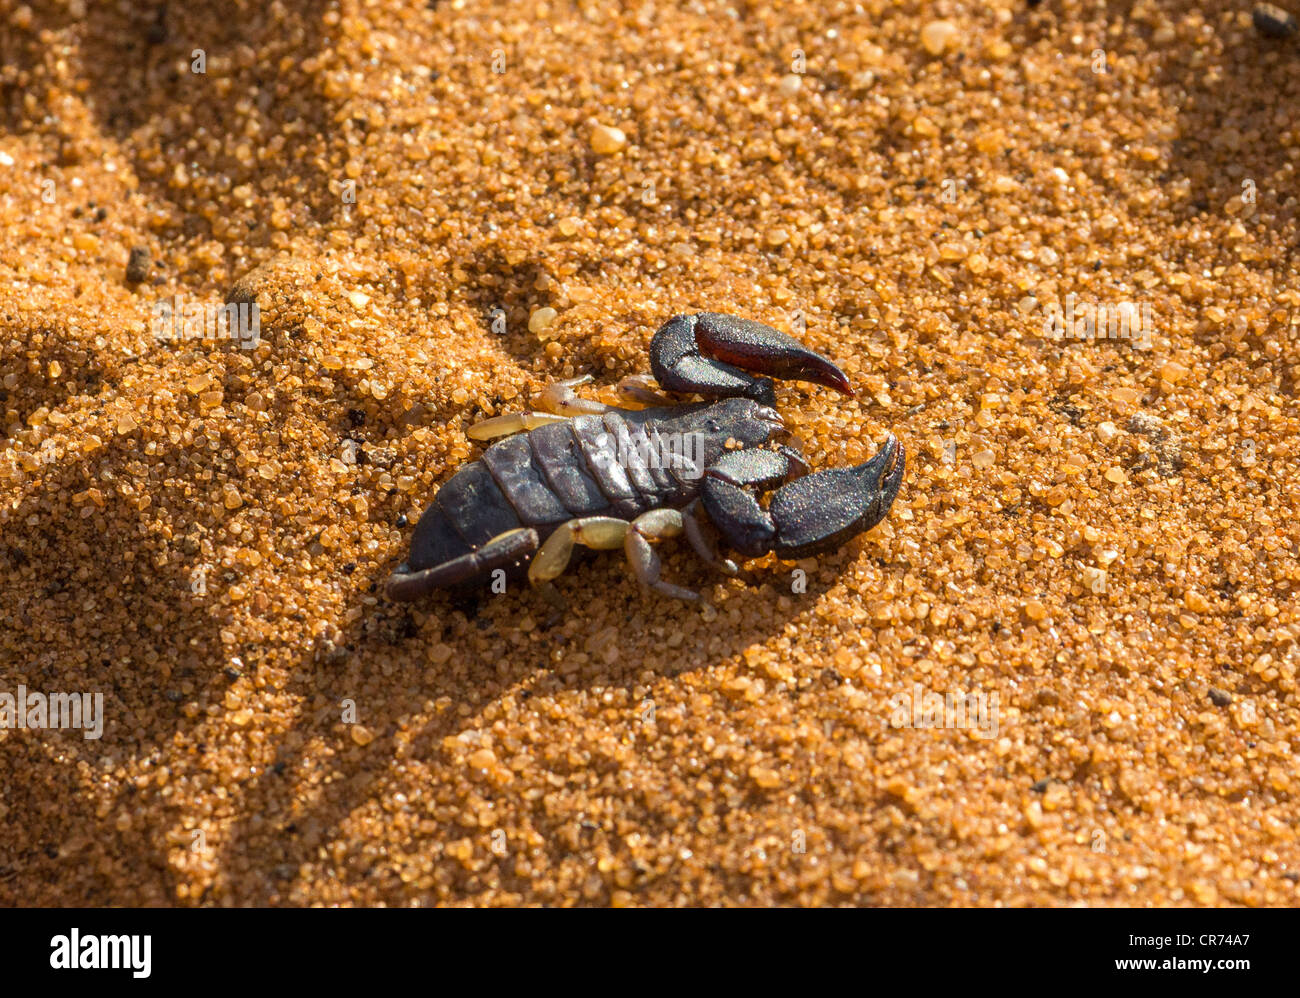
column 560, row 398
column 604, row 533
column 656, row 524
column 642, row 389
column 558, row 402
column 511, row 422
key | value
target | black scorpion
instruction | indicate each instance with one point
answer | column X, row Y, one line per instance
column 604, row 477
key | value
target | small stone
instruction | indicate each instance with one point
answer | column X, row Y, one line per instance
column 541, row 319
column 1195, row 602
column 938, row 36
column 1173, row 372
column 790, row 84
column 137, row 265
column 1272, row 21
column 1093, row 579
column 362, row 735
column 1035, row 610
column 1220, row 698
column 1116, row 476
column 605, row 141
column 766, row 778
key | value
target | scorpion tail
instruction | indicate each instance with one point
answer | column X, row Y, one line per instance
column 501, row 551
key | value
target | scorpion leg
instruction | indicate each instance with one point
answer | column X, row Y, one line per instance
column 559, row 397
column 710, row 353
column 557, row 402
column 816, row 513
column 695, row 533
column 642, row 389
column 603, row 533
column 656, row 524
column 510, row 422
column 501, row 551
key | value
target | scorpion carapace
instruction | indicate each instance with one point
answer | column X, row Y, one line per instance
column 585, row 473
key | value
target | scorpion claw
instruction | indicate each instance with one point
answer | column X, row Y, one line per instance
column 815, row 513
column 824, row 509
column 710, row 354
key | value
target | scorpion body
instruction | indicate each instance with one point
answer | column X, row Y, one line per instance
column 567, row 470
column 604, row 477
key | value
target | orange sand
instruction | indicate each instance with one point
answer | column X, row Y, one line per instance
column 1096, row 534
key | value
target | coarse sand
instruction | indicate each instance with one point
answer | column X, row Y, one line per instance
column 1094, row 549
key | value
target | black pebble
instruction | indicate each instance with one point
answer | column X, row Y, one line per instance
column 1220, row 698
column 356, row 417
column 1040, row 786
column 137, row 265
column 1273, row 21
column 402, row 521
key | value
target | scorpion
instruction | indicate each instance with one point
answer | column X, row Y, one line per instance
column 563, row 476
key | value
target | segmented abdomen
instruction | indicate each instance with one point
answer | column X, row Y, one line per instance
column 587, row 466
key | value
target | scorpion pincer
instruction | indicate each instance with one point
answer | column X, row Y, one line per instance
column 585, row 473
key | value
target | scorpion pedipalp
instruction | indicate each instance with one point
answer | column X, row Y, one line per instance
column 711, row 354
column 815, row 513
